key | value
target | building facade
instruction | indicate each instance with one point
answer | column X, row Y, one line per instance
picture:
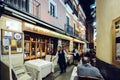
column 34, row 28
column 105, row 34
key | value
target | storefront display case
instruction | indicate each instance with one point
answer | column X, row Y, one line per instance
column 34, row 46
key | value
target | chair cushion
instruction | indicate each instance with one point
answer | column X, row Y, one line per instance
column 25, row 77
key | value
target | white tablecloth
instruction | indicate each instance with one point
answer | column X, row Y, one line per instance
column 70, row 59
column 43, row 67
column 74, row 75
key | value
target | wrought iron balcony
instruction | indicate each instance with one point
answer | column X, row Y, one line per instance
column 22, row 5
column 69, row 3
column 31, row 7
column 75, row 12
column 81, row 20
column 76, row 33
column 71, row 6
column 69, row 29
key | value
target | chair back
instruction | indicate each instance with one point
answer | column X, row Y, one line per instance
column 19, row 72
column 88, row 78
column 55, row 61
column 48, row 57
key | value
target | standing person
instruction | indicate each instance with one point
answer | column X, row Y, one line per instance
column 76, row 56
column 61, row 55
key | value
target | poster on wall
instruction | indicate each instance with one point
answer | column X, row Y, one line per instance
column 13, row 42
column 19, row 49
column 117, row 40
column 6, row 42
column 19, row 42
column 13, row 48
column 7, row 34
column 17, row 36
column 12, row 39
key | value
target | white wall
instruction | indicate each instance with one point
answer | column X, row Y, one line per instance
column 15, row 58
column 107, row 10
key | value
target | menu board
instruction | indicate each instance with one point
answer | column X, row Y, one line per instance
column 12, row 39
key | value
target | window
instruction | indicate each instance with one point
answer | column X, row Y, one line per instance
column 52, row 8
column 24, row 5
column 74, row 25
column 74, row 29
column 68, row 20
column 19, row 4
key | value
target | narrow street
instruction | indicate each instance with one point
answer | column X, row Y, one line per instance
column 58, row 76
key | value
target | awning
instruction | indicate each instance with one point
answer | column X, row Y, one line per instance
column 44, row 31
column 79, row 41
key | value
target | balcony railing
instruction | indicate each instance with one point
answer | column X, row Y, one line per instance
column 71, row 6
column 31, row 7
column 22, row 5
column 75, row 12
column 69, row 3
column 81, row 20
column 76, row 33
column 69, row 29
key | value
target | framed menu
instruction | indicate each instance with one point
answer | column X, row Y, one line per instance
column 12, row 39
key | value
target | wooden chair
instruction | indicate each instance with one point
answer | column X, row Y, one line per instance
column 88, row 78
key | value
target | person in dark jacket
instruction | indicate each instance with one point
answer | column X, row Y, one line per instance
column 61, row 55
column 76, row 56
column 92, row 56
column 86, row 69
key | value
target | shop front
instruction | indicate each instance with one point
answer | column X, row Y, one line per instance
column 34, row 41
column 66, row 44
column 39, row 41
column 11, row 45
column 77, row 44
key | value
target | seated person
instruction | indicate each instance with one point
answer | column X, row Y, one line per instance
column 86, row 69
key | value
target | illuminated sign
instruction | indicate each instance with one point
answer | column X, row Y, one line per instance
column 40, row 30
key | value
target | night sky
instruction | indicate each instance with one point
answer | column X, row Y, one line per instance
column 86, row 8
